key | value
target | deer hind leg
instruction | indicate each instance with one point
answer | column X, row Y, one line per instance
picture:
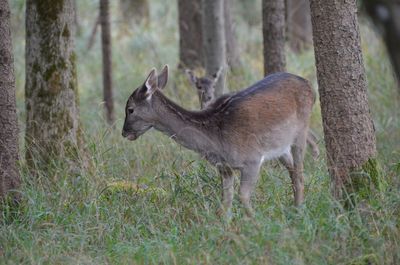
column 227, row 180
column 297, row 176
column 248, row 181
column 312, row 142
column 287, row 161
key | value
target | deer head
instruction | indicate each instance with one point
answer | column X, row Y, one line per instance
column 205, row 86
column 139, row 112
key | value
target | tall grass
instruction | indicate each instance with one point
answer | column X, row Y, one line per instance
column 66, row 219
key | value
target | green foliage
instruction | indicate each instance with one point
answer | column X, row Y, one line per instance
column 63, row 218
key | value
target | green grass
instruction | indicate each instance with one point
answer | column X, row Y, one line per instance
column 65, row 219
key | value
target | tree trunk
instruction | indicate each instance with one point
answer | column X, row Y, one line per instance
column 107, row 61
column 274, row 35
column 214, row 41
column 93, row 34
column 9, row 174
column 191, row 37
column 299, row 26
column 190, row 34
column 51, row 86
column 232, row 49
column 386, row 14
column 348, row 127
column 134, row 10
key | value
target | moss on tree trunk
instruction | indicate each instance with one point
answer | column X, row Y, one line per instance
column 363, row 183
column 51, row 84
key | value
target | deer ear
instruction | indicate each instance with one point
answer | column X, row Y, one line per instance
column 163, row 77
column 192, row 78
column 150, row 85
column 217, row 74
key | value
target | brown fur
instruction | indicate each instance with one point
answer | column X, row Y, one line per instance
column 205, row 89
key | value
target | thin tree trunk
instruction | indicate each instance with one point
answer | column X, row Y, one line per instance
column 107, row 61
column 9, row 174
column 348, row 127
column 76, row 20
column 274, row 35
column 93, row 33
column 51, row 85
column 232, row 49
column 190, row 34
column 214, row 41
column 299, row 28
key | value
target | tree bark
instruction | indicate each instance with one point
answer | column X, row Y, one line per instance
column 51, row 85
column 274, row 35
column 214, row 41
column 348, row 127
column 299, row 28
column 386, row 14
column 107, row 61
column 9, row 174
column 190, row 34
column 232, row 49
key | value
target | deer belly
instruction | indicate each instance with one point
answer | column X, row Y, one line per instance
column 275, row 153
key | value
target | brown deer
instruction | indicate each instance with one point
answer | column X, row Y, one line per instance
column 240, row 131
column 205, row 87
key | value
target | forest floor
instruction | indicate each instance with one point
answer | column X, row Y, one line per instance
column 68, row 217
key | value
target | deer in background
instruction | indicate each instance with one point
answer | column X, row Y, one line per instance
column 239, row 131
column 205, row 87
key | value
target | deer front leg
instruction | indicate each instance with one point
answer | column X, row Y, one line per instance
column 248, row 181
column 227, row 190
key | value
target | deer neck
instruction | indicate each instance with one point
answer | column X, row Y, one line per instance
column 185, row 127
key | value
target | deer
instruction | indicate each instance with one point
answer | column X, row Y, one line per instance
column 205, row 87
column 239, row 131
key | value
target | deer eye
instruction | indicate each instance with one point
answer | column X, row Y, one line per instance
column 130, row 110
